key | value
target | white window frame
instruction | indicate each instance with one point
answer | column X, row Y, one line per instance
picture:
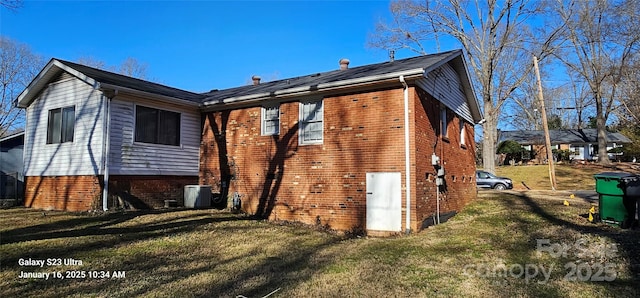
column 61, row 131
column 264, row 120
column 463, row 132
column 304, row 124
column 443, row 122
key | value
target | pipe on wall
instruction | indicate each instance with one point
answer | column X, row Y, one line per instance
column 107, row 138
column 407, row 155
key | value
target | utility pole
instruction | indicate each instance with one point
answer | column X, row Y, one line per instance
column 545, row 126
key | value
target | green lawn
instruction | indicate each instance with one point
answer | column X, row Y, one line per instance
column 481, row 252
column 569, row 177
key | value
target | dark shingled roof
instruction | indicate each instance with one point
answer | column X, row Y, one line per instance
column 333, row 76
column 107, row 77
column 562, row 136
column 425, row 62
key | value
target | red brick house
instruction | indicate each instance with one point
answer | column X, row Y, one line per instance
column 349, row 149
column 329, row 148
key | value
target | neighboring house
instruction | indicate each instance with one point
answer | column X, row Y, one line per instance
column 332, row 148
column 86, row 126
column 582, row 142
column 11, row 178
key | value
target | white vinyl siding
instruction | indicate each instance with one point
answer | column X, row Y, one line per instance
column 128, row 157
column 81, row 156
column 443, row 83
column 270, row 121
column 311, row 122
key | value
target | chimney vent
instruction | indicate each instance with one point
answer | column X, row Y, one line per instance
column 392, row 55
column 256, row 80
column 344, row 63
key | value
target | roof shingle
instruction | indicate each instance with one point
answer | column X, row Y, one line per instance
column 561, row 136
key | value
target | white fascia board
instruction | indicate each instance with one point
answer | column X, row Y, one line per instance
column 299, row 91
column 357, row 81
column 90, row 81
column 42, row 79
column 9, row 137
column 152, row 172
column 144, row 94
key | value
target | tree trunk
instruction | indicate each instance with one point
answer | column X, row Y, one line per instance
column 603, row 157
column 490, row 137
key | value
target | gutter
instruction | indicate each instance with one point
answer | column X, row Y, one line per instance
column 106, row 142
column 169, row 99
column 407, row 156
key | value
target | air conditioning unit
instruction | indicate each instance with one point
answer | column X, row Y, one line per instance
column 197, row 196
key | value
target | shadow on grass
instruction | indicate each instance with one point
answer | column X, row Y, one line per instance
column 626, row 241
column 94, row 225
column 166, row 270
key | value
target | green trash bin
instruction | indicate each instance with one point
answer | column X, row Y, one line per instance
column 611, row 192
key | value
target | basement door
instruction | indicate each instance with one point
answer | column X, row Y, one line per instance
column 384, row 202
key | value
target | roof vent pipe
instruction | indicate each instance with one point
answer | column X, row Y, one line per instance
column 344, row 63
column 256, row 80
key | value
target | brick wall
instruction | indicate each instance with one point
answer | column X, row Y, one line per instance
column 458, row 160
column 71, row 193
column 315, row 184
column 325, row 184
column 83, row 193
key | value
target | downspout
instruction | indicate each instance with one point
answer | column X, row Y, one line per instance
column 107, row 139
column 407, row 155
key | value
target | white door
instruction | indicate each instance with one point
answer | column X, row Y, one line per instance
column 384, row 202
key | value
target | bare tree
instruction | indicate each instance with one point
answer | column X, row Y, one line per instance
column 11, row 4
column 525, row 107
column 494, row 35
column 630, row 95
column 18, row 65
column 92, row 62
column 129, row 67
column 601, row 38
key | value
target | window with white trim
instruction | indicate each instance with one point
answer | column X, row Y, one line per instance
column 463, row 132
column 157, row 126
column 311, row 122
column 443, row 122
column 270, row 120
column 61, row 124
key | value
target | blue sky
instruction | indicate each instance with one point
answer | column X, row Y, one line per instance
column 204, row 45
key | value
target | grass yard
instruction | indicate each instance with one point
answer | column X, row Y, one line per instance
column 488, row 250
column 568, row 177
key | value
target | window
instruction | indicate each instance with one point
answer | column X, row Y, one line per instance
column 443, row 122
column 270, row 120
column 463, row 133
column 60, row 125
column 311, row 122
column 157, row 126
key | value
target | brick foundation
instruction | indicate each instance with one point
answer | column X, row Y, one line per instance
column 84, row 193
column 70, row 193
column 147, row 192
